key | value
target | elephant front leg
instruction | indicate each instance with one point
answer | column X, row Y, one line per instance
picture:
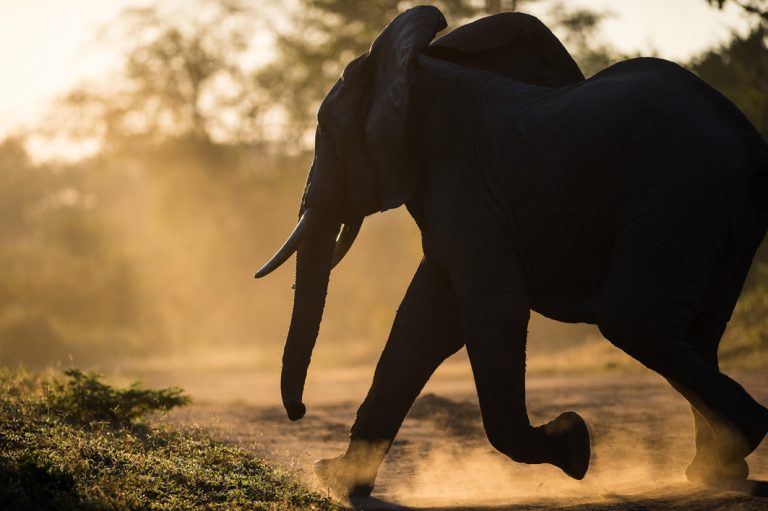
column 426, row 331
column 495, row 312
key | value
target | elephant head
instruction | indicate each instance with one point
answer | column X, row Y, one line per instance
column 363, row 163
column 366, row 154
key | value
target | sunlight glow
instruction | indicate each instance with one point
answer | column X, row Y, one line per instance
column 51, row 46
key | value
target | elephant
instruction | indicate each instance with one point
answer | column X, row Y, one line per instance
column 634, row 200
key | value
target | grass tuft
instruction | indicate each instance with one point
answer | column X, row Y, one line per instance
column 85, row 399
column 80, row 444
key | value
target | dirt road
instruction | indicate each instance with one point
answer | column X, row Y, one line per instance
column 641, row 430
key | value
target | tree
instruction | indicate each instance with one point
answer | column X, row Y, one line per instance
column 740, row 71
column 324, row 36
column 579, row 28
column 65, row 289
column 327, row 34
column 756, row 8
column 183, row 72
column 181, row 76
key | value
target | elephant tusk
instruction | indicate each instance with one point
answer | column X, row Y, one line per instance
column 306, row 223
column 346, row 238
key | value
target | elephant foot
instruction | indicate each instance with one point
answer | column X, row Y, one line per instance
column 723, row 461
column 733, row 444
column 711, row 471
column 568, row 438
column 342, row 479
column 352, row 474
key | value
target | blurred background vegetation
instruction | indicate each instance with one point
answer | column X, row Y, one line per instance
column 142, row 251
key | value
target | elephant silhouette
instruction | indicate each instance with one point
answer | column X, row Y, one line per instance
column 634, row 200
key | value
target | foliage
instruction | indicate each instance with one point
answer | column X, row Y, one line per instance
column 579, row 29
column 739, row 70
column 183, row 72
column 756, row 8
column 84, row 399
column 148, row 246
column 47, row 462
column 65, row 280
column 181, row 75
column 326, row 34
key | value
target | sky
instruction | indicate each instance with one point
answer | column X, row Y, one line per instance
column 49, row 46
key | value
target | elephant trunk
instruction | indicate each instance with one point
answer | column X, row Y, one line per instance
column 313, row 266
column 318, row 250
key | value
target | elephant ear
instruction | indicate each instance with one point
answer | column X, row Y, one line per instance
column 388, row 132
column 511, row 44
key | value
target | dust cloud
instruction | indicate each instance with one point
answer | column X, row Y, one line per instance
column 642, row 440
column 143, row 261
column 456, row 475
column 641, row 432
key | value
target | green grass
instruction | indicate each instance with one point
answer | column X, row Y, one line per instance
column 79, row 444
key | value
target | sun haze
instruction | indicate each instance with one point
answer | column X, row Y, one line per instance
column 49, row 46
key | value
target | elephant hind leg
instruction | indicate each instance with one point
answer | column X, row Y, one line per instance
column 738, row 423
column 707, row 466
column 713, row 462
column 666, row 303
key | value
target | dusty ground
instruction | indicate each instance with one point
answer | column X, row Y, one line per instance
column 641, row 433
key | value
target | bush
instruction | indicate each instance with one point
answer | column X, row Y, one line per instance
column 84, row 399
column 81, row 445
